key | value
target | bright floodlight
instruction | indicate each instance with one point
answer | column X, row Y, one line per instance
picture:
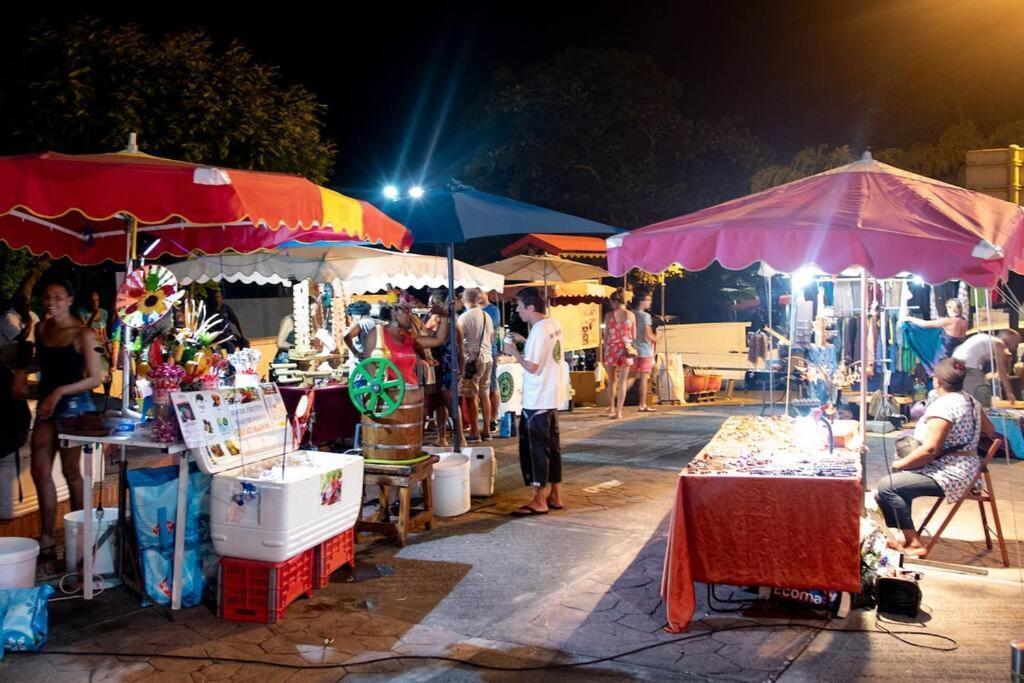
column 390, row 192
column 802, row 277
column 416, row 192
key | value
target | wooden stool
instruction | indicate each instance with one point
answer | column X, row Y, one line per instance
column 403, row 477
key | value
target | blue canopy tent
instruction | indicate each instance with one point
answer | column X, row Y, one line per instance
column 456, row 213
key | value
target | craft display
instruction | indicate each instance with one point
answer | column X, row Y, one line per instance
column 300, row 310
column 775, row 447
column 147, row 295
column 164, row 380
column 245, row 363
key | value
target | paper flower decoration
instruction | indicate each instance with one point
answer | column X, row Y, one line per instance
column 147, row 295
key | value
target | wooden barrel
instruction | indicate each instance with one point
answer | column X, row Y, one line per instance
column 399, row 436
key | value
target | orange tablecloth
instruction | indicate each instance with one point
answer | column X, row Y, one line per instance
column 783, row 532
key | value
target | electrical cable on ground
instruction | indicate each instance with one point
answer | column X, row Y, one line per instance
column 953, row 645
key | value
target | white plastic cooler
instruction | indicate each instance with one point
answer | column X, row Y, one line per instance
column 256, row 514
column 268, row 503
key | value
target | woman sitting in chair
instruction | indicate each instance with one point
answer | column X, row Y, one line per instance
column 942, row 460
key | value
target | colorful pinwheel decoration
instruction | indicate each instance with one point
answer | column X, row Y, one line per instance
column 147, row 295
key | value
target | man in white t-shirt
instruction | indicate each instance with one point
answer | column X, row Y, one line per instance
column 477, row 337
column 544, row 390
column 977, row 352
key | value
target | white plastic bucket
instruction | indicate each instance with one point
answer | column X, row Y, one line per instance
column 103, row 563
column 482, row 470
column 450, row 496
column 18, row 562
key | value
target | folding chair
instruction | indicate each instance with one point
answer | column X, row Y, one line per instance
column 987, row 495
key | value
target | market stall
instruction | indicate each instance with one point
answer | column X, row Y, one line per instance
column 765, row 503
column 130, row 206
column 878, row 219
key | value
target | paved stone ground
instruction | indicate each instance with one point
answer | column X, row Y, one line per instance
column 563, row 588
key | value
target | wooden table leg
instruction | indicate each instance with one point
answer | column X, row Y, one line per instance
column 428, row 505
column 383, row 500
column 403, row 514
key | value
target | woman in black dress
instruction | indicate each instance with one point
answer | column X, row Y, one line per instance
column 68, row 356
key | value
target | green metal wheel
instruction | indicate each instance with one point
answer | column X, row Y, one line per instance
column 371, row 391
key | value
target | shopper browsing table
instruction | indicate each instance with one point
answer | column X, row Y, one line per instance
column 945, row 460
column 999, row 352
column 540, row 450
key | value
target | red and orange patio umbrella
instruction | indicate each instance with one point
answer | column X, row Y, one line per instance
column 83, row 206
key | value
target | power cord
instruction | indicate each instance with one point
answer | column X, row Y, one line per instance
column 878, row 630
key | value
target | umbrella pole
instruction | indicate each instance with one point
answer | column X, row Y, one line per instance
column 131, row 242
column 991, row 347
column 453, row 354
column 863, row 374
column 771, row 342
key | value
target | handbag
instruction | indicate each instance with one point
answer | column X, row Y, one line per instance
column 469, row 372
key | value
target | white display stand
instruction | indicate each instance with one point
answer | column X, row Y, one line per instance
column 268, row 502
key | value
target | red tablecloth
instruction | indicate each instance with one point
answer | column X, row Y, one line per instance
column 336, row 417
column 783, row 532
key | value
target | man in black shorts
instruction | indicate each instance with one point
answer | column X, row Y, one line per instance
column 544, row 390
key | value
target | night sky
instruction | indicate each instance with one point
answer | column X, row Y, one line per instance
column 395, row 75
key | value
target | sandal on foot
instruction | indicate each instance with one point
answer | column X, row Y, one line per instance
column 552, row 506
column 526, row 511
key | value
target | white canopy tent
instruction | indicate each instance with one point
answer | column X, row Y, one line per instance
column 362, row 269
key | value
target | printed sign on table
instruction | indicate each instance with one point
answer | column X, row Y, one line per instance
column 228, row 424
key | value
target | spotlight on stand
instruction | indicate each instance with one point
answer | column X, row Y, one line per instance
column 416, row 192
column 390, row 192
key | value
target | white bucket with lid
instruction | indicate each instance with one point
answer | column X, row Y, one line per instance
column 74, row 530
column 18, row 562
column 450, row 496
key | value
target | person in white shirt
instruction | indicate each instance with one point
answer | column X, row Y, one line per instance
column 477, row 336
column 18, row 321
column 977, row 353
column 544, row 390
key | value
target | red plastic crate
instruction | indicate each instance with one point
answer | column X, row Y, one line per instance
column 331, row 555
column 261, row 591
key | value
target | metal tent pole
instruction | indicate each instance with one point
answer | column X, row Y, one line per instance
column 863, row 373
column 992, row 346
column 771, row 342
column 453, row 353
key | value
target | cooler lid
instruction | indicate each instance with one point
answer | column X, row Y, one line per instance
column 230, row 427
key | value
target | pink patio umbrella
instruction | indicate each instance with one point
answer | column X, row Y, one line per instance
column 863, row 215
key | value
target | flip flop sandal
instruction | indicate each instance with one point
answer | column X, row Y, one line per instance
column 552, row 506
column 526, row 511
